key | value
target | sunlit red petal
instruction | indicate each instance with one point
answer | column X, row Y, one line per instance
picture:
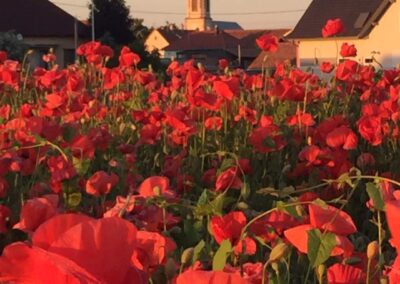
column 331, row 219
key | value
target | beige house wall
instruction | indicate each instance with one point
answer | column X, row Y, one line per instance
column 155, row 41
column 383, row 43
column 59, row 46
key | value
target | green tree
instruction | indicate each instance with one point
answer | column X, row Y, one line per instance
column 112, row 19
column 13, row 45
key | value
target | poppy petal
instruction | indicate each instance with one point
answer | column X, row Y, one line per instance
column 103, row 247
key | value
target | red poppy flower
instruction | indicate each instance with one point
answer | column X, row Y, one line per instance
column 49, row 57
column 149, row 134
column 228, row 179
column 370, row 128
column 60, row 169
column 327, row 67
column 300, row 118
column 252, row 272
column 213, row 123
column 128, row 57
column 394, row 272
column 36, row 211
column 331, row 219
column 229, row 227
column 20, row 263
column 267, row 139
column 392, row 216
column 346, row 70
column 54, row 101
column 310, row 154
column 207, row 101
column 52, row 229
column 112, row 78
column 155, row 186
column 332, row 27
column 223, row 63
column 101, row 183
column 223, row 90
column 247, row 114
column 83, row 147
column 298, row 237
column 342, row 136
column 268, row 42
column 103, row 247
column 348, row 50
column 345, row 274
column 152, row 249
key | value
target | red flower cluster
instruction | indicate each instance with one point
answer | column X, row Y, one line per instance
column 227, row 170
column 268, row 42
column 333, row 27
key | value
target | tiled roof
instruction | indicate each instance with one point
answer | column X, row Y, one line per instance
column 228, row 40
column 206, row 40
column 358, row 16
column 38, row 18
column 248, row 38
column 224, row 25
column 172, row 35
column 286, row 52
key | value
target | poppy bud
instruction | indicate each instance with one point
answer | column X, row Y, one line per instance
column 372, row 249
column 243, row 206
column 278, row 252
column 320, row 272
column 187, row 256
column 275, row 267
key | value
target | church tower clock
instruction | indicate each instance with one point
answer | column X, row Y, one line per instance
column 198, row 15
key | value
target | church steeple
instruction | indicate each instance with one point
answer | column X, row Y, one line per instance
column 198, row 15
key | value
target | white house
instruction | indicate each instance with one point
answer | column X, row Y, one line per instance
column 373, row 26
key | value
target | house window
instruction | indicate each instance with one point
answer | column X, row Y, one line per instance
column 195, row 5
column 69, row 56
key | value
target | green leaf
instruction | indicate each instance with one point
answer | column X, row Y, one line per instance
column 291, row 210
column 220, row 202
column 320, row 246
column 68, row 133
column 81, row 165
column 203, row 199
column 73, row 199
column 197, row 251
column 226, row 164
column 219, row 260
column 376, row 195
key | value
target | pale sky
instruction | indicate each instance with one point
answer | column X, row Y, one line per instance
column 250, row 14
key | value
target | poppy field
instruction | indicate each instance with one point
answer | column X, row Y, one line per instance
column 112, row 175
